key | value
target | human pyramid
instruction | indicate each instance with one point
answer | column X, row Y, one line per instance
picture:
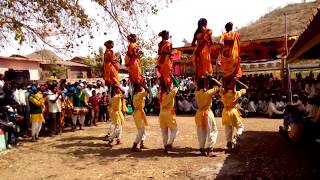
column 207, row 87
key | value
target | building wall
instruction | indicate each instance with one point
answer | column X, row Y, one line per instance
column 32, row 66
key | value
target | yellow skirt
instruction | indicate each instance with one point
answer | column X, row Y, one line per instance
column 117, row 118
column 140, row 118
column 167, row 119
column 231, row 117
column 37, row 117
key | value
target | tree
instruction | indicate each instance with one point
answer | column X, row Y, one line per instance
column 37, row 21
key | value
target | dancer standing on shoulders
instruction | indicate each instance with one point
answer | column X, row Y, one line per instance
column 202, row 59
column 133, row 60
column 206, row 125
column 110, row 67
column 165, row 59
column 139, row 115
column 167, row 116
column 231, row 116
column 230, row 53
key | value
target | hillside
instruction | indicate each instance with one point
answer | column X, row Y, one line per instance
column 272, row 24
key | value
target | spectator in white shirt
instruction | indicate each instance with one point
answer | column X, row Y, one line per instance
column 252, row 108
column 2, row 95
column 88, row 90
column 272, row 110
column 296, row 102
column 54, row 108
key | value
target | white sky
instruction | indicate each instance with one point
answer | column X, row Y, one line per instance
column 181, row 20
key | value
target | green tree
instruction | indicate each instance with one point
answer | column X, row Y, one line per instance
column 32, row 21
column 95, row 63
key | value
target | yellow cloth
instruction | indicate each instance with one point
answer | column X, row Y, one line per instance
column 204, row 102
column 124, row 106
column 230, row 114
column 138, row 115
column 38, row 100
column 167, row 115
column 116, row 113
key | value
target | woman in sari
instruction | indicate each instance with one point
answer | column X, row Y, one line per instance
column 201, row 58
column 165, row 59
column 110, row 67
column 133, row 60
column 230, row 53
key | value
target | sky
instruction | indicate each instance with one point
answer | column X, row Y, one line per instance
column 180, row 19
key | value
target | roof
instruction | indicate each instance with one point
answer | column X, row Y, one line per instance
column 259, row 50
column 309, row 38
column 19, row 59
column 67, row 63
column 48, row 57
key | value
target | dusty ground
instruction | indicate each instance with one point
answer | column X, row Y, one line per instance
column 83, row 155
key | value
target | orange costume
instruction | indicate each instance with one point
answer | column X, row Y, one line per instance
column 133, row 63
column 202, row 58
column 110, row 68
column 165, row 62
column 230, row 55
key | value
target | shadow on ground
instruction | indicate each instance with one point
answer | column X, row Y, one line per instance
column 267, row 155
column 82, row 146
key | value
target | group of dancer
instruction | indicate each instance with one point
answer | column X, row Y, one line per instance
column 207, row 87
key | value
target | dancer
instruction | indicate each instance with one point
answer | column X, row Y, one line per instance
column 201, row 58
column 117, row 117
column 139, row 116
column 230, row 53
column 167, row 116
column 79, row 103
column 231, row 116
column 133, row 60
column 110, row 67
column 165, row 59
column 205, row 122
column 37, row 107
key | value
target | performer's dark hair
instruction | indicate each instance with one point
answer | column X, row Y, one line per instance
column 200, row 83
column 201, row 23
column 229, row 26
column 163, row 33
column 131, row 37
column 108, row 42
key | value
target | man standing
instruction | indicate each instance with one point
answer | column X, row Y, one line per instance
column 54, row 109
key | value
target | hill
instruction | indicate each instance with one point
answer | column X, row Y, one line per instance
column 272, row 24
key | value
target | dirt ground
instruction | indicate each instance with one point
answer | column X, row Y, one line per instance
column 264, row 154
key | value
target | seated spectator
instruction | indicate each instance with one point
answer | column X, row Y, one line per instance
column 272, row 110
column 252, row 107
column 7, row 124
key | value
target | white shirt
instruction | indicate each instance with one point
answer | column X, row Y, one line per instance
column 272, row 109
column 187, row 105
column 88, row 92
column 100, row 90
column 22, row 97
column 252, row 107
column 154, row 91
column 126, row 90
column 54, row 107
column 1, row 89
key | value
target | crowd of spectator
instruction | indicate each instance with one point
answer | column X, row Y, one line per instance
column 18, row 100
